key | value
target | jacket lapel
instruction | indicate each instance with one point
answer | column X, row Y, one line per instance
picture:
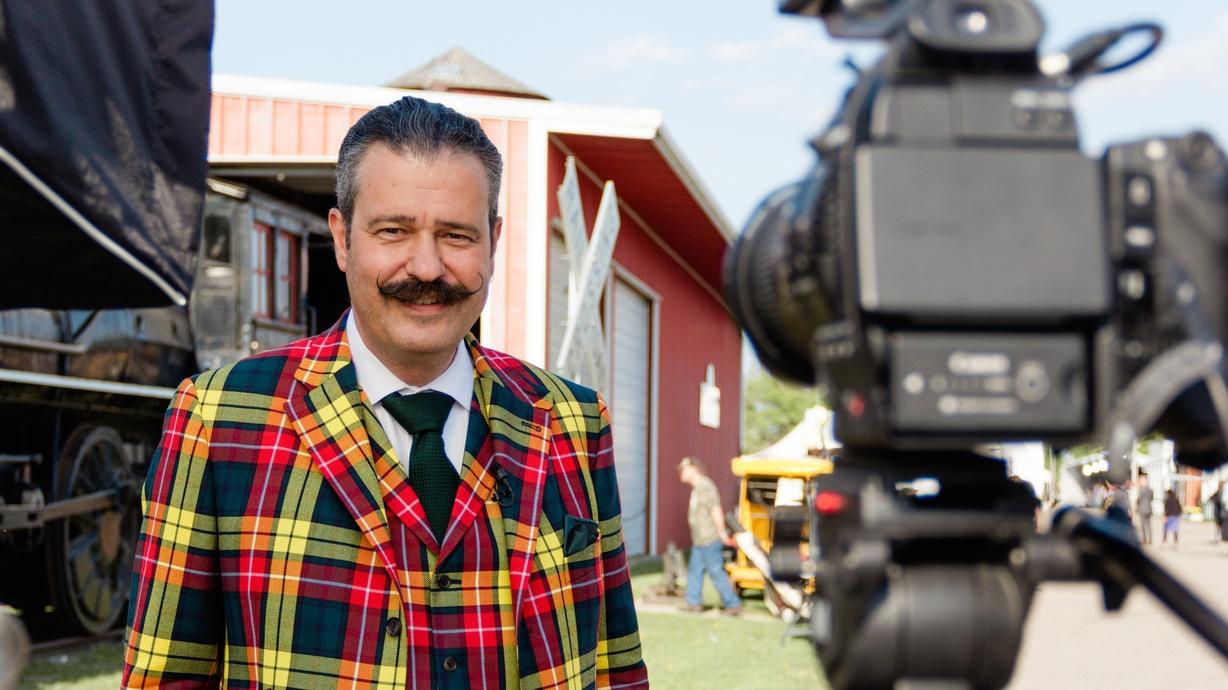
column 477, row 477
column 328, row 412
column 517, row 416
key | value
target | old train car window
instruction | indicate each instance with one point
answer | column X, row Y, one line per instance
column 286, row 284
column 217, row 239
column 262, row 237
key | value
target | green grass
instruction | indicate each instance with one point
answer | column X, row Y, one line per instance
column 704, row 652
column 91, row 668
column 683, row 651
column 690, row 651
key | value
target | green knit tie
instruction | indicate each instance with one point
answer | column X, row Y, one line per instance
column 430, row 473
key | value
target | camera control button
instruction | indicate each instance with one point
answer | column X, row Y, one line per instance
column 914, row 383
column 1140, row 238
column 1138, row 190
column 1058, row 120
column 1025, row 118
column 1031, row 382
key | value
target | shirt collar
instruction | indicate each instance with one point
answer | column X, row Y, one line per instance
column 373, row 377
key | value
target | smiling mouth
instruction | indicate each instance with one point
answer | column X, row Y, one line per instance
column 423, row 306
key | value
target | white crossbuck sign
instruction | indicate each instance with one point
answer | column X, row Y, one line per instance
column 582, row 356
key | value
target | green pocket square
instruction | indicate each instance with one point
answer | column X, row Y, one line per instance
column 578, row 533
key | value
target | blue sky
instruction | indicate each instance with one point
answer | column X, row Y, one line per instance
column 741, row 87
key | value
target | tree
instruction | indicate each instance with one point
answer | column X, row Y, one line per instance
column 770, row 408
column 1144, row 443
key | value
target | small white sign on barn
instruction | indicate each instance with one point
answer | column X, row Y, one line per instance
column 710, row 400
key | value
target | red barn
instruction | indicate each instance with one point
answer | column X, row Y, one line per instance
column 666, row 326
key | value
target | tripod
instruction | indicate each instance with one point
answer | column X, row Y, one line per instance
column 926, row 564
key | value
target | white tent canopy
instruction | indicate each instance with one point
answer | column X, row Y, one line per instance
column 809, row 438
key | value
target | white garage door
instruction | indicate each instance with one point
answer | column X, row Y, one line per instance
column 630, row 408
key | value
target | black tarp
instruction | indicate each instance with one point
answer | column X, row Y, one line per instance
column 104, row 118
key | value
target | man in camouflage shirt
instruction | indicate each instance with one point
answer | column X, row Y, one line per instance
column 708, row 534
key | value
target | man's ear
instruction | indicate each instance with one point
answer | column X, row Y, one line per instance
column 495, row 233
column 336, row 226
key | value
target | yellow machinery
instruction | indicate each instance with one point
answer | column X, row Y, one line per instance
column 765, row 483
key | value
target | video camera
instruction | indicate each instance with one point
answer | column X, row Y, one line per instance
column 955, row 272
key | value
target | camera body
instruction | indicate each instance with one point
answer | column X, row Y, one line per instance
column 954, row 270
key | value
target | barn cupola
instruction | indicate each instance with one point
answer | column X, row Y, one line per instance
column 460, row 71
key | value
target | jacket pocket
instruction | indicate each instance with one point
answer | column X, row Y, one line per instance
column 579, row 534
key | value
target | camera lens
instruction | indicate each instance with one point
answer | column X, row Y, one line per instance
column 774, row 280
column 755, row 286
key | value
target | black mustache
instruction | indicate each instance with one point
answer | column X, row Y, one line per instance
column 413, row 290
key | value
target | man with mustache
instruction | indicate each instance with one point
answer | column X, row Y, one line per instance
column 389, row 504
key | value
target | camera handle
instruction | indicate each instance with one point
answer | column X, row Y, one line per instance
column 1082, row 546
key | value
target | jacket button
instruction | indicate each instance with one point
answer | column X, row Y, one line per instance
column 443, row 581
column 393, row 627
column 450, row 664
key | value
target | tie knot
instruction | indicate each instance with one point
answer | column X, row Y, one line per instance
column 425, row 411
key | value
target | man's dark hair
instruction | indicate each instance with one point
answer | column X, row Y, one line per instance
column 422, row 128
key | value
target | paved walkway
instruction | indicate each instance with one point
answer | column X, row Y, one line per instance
column 1070, row 642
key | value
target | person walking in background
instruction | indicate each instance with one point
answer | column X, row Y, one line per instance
column 1098, row 495
column 1172, row 517
column 1217, row 512
column 1142, row 508
column 708, row 535
column 1120, row 498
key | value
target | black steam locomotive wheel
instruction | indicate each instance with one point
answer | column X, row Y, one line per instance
column 89, row 555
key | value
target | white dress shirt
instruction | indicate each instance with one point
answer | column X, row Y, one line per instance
column 456, row 382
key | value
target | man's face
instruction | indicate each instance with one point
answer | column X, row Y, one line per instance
column 686, row 474
column 420, row 255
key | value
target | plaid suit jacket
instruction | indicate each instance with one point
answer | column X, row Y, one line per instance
column 282, row 545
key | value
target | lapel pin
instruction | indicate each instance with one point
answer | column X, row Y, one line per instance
column 503, row 487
